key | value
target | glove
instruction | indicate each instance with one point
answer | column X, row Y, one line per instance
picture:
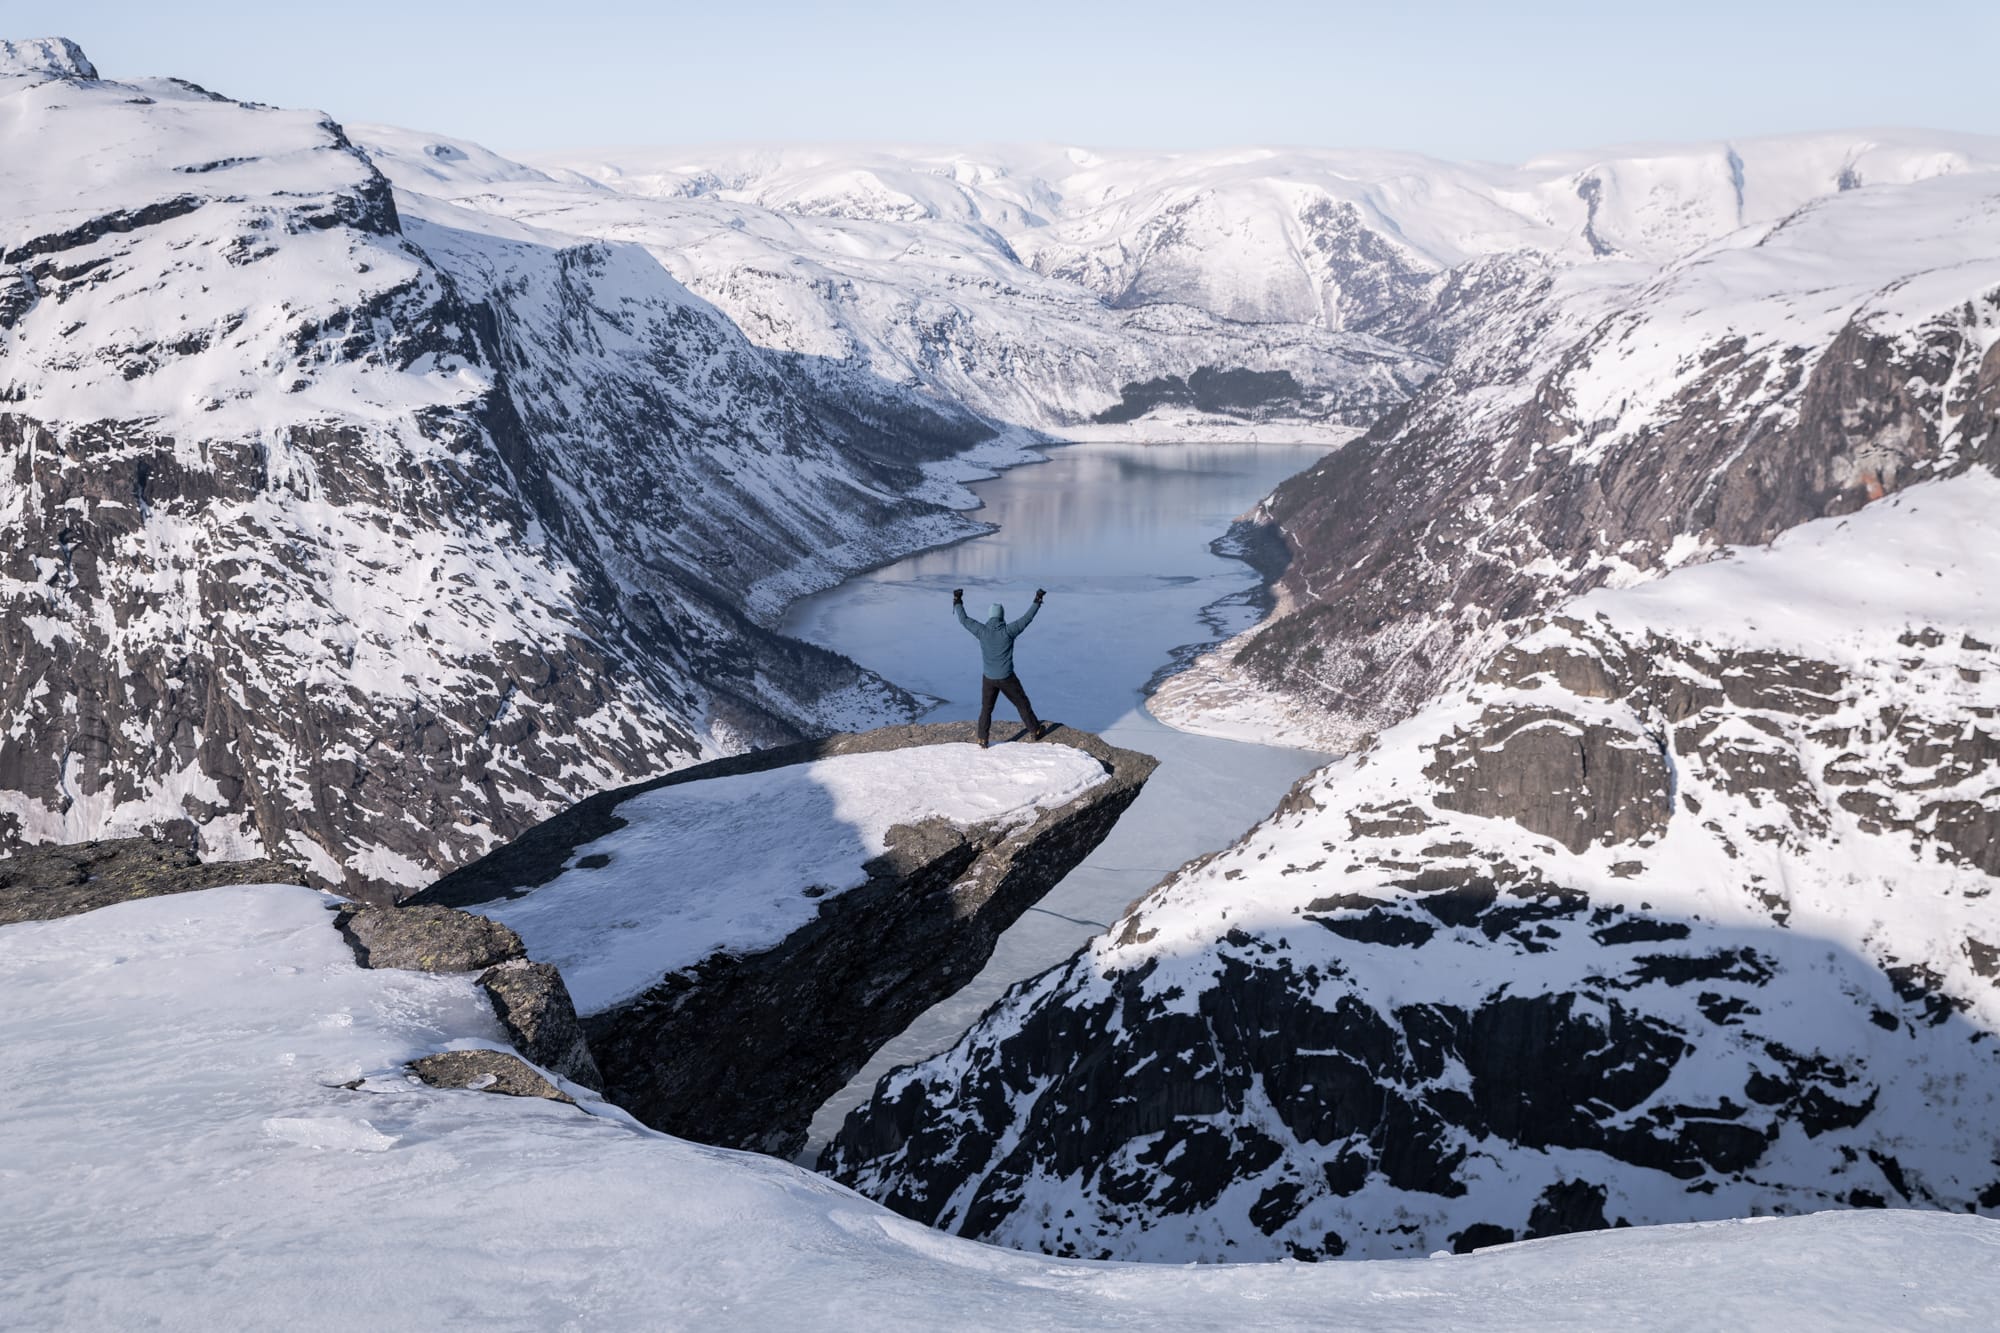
column 1041, row 593
column 958, row 594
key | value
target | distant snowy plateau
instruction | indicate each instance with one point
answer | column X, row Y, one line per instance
column 369, row 497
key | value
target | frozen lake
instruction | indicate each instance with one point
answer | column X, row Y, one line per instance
column 1118, row 534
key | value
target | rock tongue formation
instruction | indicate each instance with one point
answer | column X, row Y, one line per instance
column 364, row 541
column 1679, row 909
column 738, row 1044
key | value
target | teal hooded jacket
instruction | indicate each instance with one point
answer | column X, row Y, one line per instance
column 996, row 637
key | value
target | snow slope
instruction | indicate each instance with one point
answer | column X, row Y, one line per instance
column 173, row 1094
column 735, row 864
column 370, row 537
column 1588, row 435
column 1680, row 908
column 935, row 300
column 1307, row 236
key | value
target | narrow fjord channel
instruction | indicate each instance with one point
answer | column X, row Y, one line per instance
column 1119, row 535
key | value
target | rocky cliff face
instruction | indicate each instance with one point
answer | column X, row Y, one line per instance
column 1678, row 909
column 1587, row 434
column 741, row 1045
column 364, row 541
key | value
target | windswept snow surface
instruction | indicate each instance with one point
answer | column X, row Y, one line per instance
column 179, row 1152
column 735, row 864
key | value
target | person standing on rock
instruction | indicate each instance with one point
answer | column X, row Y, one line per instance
column 996, row 661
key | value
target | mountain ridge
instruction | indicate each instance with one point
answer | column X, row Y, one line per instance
column 320, row 555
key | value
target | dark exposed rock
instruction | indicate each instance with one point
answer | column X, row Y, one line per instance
column 1478, row 1236
column 1634, row 929
column 1575, row 781
column 1985, row 958
column 534, row 1006
column 120, row 220
column 739, row 1050
column 41, row 883
column 486, row 1071
column 426, row 938
column 1568, row 1206
column 1585, row 674
column 1250, row 394
column 1379, row 927
column 1387, row 821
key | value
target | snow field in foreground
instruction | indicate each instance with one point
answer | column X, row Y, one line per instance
column 724, row 864
column 178, row 1151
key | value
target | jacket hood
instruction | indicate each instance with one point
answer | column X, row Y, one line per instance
column 995, row 612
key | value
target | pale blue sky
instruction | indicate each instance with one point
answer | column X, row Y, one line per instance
column 1494, row 81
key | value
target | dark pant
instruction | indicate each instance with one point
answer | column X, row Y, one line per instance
column 1011, row 687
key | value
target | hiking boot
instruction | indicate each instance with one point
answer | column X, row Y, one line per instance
column 982, row 742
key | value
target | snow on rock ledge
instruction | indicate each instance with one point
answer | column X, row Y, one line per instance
column 742, row 936
column 736, row 863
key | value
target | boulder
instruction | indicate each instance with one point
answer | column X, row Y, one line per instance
column 426, row 938
column 486, row 1071
column 534, row 1005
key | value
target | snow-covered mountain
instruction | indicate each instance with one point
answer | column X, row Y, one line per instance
column 1325, row 237
column 1680, row 909
column 373, row 501
column 370, row 498
column 1644, row 898
column 368, row 537
column 1592, row 431
column 1642, row 913
column 1084, row 292
column 936, row 298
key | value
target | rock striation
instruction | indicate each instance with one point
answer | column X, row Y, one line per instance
column 741, row 1048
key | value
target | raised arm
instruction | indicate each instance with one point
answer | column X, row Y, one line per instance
column 1023, row 623
column 958, row 609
